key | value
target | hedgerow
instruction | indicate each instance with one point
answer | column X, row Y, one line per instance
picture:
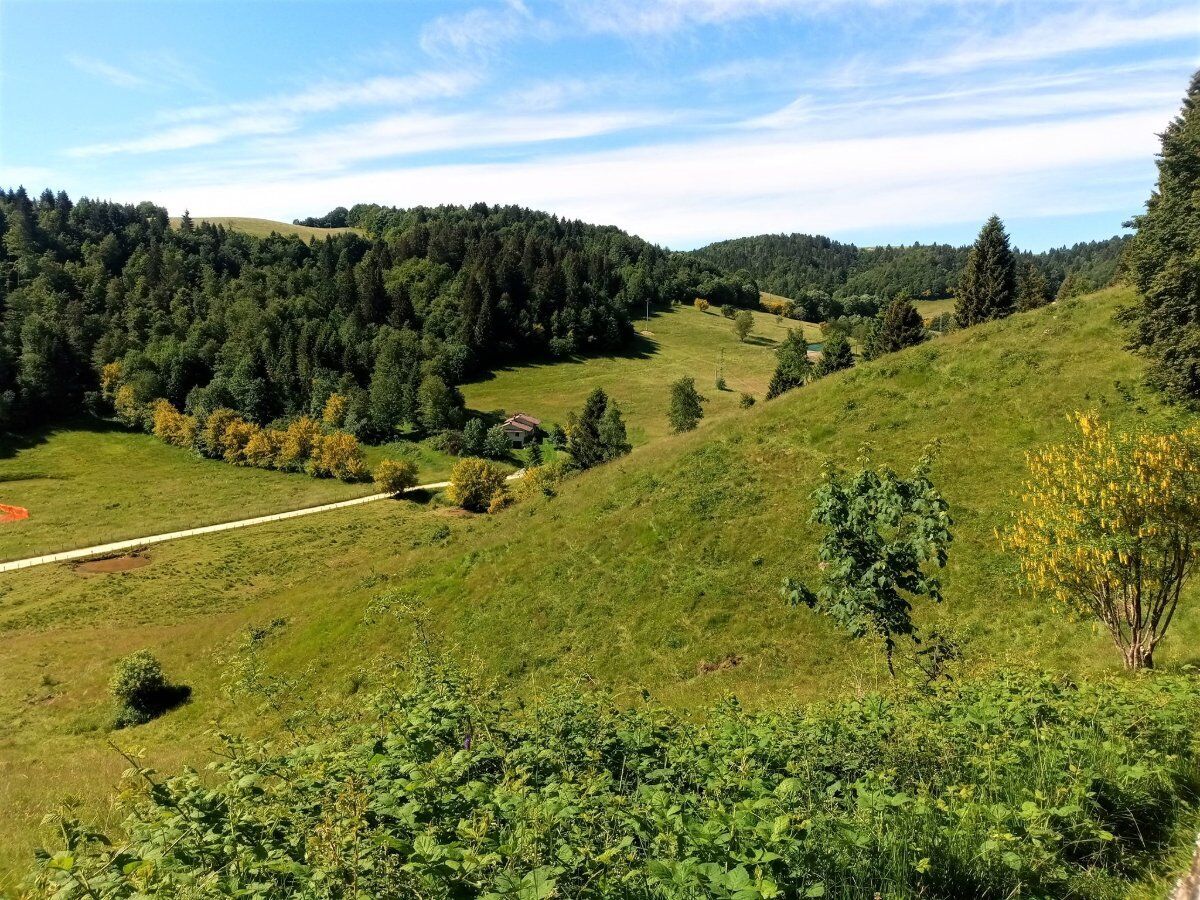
column 1019, row 785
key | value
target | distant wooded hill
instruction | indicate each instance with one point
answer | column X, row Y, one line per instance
column 209, row 316
column 795, row 265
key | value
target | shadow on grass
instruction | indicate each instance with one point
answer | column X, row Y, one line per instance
column 639, row 347
column 12, row 443
column 155, row 704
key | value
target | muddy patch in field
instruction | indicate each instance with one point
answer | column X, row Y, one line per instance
column 111, row 564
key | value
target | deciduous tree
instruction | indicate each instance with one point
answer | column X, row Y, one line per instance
column 1109, row 528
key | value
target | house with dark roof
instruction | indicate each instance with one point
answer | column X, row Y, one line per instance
column 521, row 429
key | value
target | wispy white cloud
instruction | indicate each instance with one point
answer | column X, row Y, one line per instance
column 479, row 32
column 155, row 70
column 326, row 95
column 422, row 133
column 684, row 193
column 1084, row 30
column 189, row 137
column 114, row 75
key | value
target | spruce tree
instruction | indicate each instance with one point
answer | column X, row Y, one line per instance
column 685, row 411
column 793, row 367
column 1164, row 260
column 835, row 355
column 583, row 431
column 1032, row 289
column 988, row 286
column 535, row 454
column 899, row 325
column 614, row 441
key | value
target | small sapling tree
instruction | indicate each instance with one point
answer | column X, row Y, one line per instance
column 883, row 533
column 685, row 411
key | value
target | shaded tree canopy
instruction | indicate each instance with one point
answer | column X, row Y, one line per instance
column 1164, row 260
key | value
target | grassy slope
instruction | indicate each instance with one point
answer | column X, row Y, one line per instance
column 266, row 227
column 635, row 575
column 673, row 344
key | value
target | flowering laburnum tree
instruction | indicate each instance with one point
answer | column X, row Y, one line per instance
column 1109, row 526
column 884, row 534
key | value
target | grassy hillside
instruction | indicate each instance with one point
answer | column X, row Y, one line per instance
column 684, row 341
column 661, row 570
column 266, row 227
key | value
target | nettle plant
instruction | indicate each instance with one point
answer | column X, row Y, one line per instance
column 1016, row 785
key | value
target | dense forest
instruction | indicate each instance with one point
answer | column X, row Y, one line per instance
column 811, row 268
column 209, row 318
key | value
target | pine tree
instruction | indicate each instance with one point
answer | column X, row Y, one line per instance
column 685, row 411
column 1074, row 285
column 835, row 355
column 1032, row 289
column 614, row 441
column 535, row 453
column 987, row 288
column 1164, row 260
column 793, row 368
column 583, row 431
column 898, row 326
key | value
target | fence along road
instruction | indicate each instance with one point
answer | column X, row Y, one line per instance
column 138, row 543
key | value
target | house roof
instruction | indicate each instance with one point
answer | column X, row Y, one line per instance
column 523, row 422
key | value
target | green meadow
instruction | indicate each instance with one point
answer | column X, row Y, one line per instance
column 659, row 572
column 267, row 227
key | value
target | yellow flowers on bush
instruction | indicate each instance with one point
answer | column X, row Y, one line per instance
column 334, row 414
column 701, row 304
column 173, row 427
column 302, row 447
column 474, row 483
column 1109, row 526
column 337, row 455
column 395, row 475
column 297, row 444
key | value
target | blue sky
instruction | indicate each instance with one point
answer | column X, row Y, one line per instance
column 684, row 121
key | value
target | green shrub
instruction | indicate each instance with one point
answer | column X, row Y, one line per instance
column 1017, row 785
column 141, row 690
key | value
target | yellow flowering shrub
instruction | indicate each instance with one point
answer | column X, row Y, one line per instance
column 1109, row 527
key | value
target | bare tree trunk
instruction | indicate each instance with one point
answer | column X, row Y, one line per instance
column 1138, row 656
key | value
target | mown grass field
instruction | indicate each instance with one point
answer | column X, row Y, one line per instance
column 95, row 483
column 671, row 345
column 659, row 571
column 267, row 227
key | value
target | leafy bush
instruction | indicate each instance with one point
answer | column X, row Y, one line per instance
column 746, row 401
column 395, row 475
column 1019, row 785
column 141, row 690
column 474, row 482
column 496, row 445
column 701, row 304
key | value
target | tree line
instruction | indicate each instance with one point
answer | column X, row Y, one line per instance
column 830, row 279
column 209, row 318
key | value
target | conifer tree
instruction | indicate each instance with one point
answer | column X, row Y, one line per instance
column 1073, row 285
column 583, row 430
column 1032, row 289
column 793, row 368
column 899, row 325
column 1164, row 260
column 685, row 411
column 835, row 355
column 613, row 438
column 987, row 288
